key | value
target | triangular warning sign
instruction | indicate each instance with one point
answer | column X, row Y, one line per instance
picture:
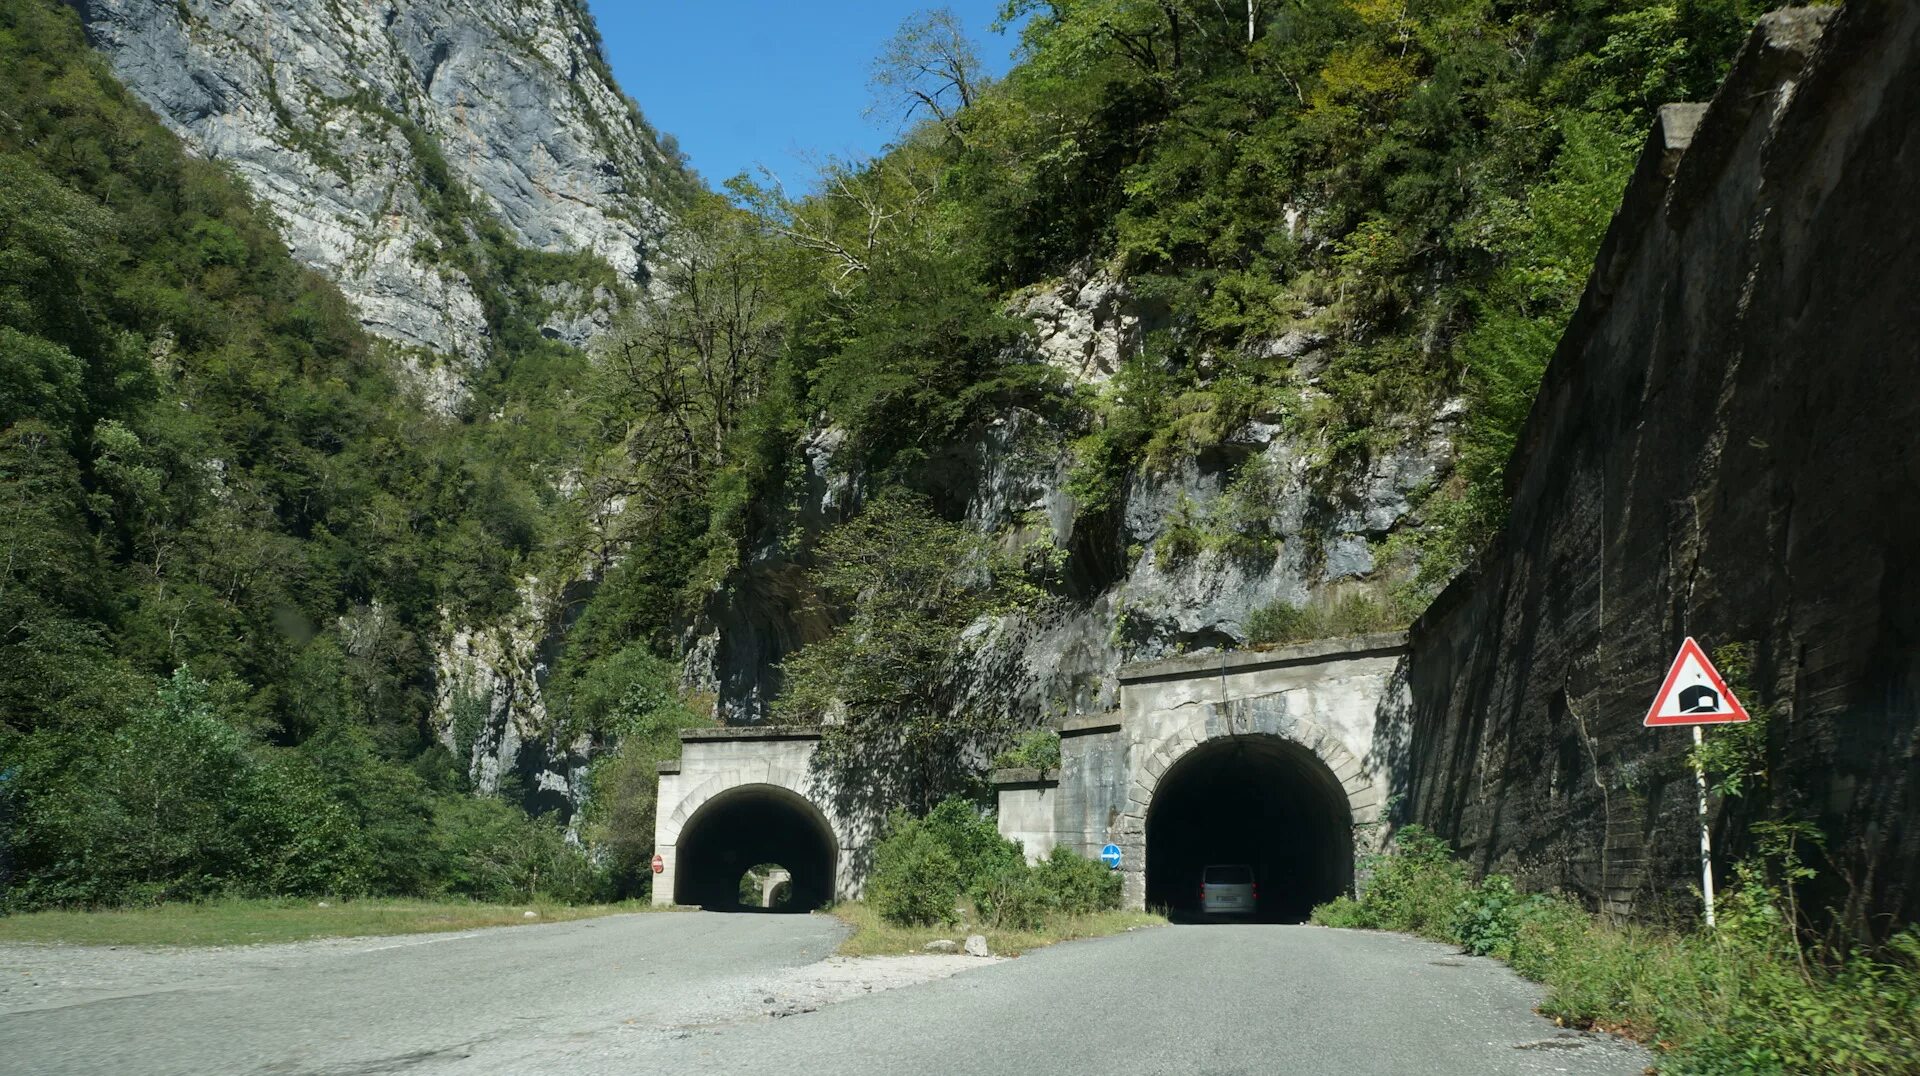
column 1694, row 693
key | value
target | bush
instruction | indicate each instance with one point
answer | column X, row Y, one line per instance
column 1343, row 912
column 916, row 881
column 1417, row 888
column 1078, row 885
column 1035, row 749
column 1019, row 897
column 175, row 804
column 924, row 866
column 494, row 852
column 1487, row 920
column 973, row 840
column 1014, row 898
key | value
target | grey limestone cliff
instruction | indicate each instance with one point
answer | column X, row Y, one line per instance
column 344, row 119
column 1180, row 564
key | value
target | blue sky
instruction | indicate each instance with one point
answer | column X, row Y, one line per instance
column 767, row 82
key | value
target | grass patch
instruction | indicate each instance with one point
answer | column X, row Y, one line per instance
column 255, row 922
column 874, row 936
column 1282, row 623
column 1749, row 997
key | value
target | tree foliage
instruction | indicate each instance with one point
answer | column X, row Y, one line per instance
column 205, row 464
column 907, row 587
column 228, row 534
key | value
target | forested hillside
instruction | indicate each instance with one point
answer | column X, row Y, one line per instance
column 237, row 538
column 1331, row 227
column 231, row 535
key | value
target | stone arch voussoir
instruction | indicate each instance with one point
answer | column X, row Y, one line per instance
column 1363, row 800
column 794, row 781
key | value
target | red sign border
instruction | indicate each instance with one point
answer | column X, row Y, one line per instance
column 1654, row 721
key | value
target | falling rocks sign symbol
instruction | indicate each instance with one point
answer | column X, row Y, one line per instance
column 1694, row 693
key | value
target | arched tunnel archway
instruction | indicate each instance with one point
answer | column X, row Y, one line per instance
column 749, row 825
column 1259, row 800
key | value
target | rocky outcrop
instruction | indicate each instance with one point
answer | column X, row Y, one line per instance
column 1086, row 325
column 1187, row 558
column 1723, row 448
column 490, row 707
column 392, row 140
column 348, row 120
column 1180, row 564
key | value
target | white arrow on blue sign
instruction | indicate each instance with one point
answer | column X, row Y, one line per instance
column 1110, row 855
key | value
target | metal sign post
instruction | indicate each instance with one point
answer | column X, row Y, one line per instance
column 1706, row 828
column 1694, row 693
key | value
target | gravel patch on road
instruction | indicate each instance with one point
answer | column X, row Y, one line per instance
column 35, row 977
column 838, row 978
column 43, row 976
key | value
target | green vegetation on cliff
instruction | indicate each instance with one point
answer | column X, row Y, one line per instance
column 1419, row 187
column 209, row 467
column 228, row 536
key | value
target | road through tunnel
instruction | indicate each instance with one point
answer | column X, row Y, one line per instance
column 1258, row 800
column 750, row 825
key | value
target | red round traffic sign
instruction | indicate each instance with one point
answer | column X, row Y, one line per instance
column 659, row 863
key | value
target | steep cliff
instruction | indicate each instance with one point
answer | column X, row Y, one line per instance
column 1181, row 562
column 470, row 176
column 1723, row 448
column 361, row 124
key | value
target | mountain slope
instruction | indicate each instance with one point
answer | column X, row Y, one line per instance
column 354, row 123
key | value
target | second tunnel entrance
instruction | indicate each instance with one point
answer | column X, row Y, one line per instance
column 1258, row 800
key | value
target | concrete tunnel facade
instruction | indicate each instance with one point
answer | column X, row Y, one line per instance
column 1277, row 759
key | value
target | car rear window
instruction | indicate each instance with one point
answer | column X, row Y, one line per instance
column 1228, row 875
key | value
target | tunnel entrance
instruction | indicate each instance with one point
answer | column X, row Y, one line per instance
column 755, row 825
column 766, row 886
column 1262, row 801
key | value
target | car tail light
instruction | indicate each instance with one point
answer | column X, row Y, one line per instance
column 1256, row 891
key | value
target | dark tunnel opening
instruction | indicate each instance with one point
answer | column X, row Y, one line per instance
column 751, row 825
column 1255, row 800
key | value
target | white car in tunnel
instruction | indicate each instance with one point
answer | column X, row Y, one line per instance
column 1228, row 889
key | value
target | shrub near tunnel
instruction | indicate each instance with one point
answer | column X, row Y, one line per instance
column 925, row 867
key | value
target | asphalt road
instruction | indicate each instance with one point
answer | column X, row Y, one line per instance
column 701, row 992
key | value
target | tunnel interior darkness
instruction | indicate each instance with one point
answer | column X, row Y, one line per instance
column 749, row 825
column 1259, row 800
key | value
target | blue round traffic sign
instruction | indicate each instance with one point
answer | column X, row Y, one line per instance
column 1110, row 855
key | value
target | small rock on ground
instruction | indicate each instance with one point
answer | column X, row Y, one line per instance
column 977, row 945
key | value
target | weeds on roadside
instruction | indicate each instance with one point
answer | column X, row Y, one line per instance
column 1747, row 997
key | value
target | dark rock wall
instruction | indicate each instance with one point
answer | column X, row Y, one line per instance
column 1724, row 447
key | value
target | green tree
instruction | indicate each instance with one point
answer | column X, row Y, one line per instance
column 907, row 585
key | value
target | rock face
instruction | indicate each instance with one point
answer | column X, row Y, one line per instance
column 1181, row 563
column 384, row 135
column 349, row 119
column 490, row 711
column 1187, row 558
column 1086, row 325
column 1723, row 448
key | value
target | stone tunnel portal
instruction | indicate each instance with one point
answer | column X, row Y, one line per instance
column 749, row 825
column 1259, row 800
